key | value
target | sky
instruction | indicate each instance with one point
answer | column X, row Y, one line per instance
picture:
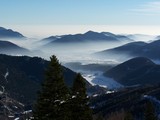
column 50, row 17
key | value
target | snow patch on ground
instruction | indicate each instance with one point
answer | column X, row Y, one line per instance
column 28, row 111
column 16, row 118
column 109, row 92
column 6, row 75
column 97, row 78
column 95, row 95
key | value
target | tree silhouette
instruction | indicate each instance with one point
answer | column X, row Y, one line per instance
column 51, row 102
column 79, row 101
column 149, row 113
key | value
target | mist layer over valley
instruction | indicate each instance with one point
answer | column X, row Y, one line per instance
column 79, row 60
column 91, row 53
column 118, row 70
column 77, row 48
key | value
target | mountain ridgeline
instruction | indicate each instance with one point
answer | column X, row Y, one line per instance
column 137, row 71
column 8, row 33
column 87, row 37
column 134, row 49
column 10, row 48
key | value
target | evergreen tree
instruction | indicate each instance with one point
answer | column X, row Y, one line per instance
column 149, row 112
column 51, row 102
column 79, row 100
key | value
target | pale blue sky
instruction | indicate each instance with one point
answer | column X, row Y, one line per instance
column 79, row 12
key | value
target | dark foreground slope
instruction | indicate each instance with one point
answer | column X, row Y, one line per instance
column 131, row 100
column 22, row 77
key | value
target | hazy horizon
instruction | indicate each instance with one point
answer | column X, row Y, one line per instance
column 42, row 31
column 58, row 17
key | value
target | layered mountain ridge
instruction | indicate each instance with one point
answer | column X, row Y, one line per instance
column 137, row 71
column 8, row 33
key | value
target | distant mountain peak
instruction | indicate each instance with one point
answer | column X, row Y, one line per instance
column 95, row 35
column 90, row 32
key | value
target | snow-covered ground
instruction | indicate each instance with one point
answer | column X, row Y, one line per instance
column 97, row 78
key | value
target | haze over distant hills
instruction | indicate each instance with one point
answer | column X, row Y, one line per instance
column 134, row 49
column 141, row 37
column 7, row 47
column 89, row 36
column 8, row 33
column 21, row 76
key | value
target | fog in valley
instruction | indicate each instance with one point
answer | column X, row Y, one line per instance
column 81, row 56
